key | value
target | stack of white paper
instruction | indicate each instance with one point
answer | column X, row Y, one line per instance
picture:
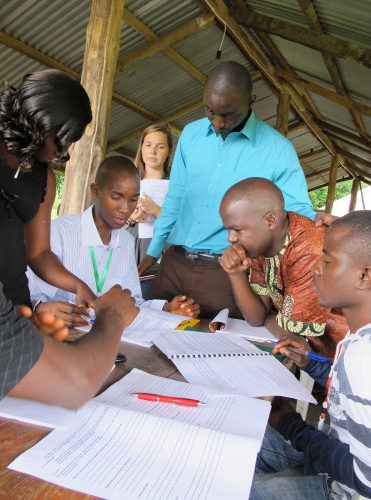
column 120, row 447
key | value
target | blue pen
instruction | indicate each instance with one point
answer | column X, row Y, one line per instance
column 91, row 321
column 311, row 355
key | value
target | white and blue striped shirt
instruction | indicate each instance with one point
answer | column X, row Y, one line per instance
column 71, row 237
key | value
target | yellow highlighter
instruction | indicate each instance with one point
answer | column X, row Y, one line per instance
column 187, row 323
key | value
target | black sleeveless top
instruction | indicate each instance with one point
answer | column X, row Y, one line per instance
column 19, row 202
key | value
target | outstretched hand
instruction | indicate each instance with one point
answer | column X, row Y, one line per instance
column 47, row 323
column 69, row 313
column 234, row 259
column 185, row 306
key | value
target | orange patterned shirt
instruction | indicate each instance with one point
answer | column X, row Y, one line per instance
column 287, row 278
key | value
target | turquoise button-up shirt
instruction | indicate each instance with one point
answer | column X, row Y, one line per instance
column 205, row 166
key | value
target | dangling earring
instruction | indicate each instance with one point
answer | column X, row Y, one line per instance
column 25, row 163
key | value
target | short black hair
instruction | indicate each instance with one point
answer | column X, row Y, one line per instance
column 46, row 102
column 359, row 237
column 115, row 164
column 230, row 77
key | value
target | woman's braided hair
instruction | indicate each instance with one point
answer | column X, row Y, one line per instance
column 46, row 102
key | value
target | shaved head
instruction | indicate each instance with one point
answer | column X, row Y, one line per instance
column 257, row 196
column 230, row 78
column 358, row 241
column 117, row 164
column 253, row 213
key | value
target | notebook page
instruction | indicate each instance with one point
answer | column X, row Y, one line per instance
column 203, row 344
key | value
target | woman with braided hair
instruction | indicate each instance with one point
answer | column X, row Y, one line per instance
column 38, row 123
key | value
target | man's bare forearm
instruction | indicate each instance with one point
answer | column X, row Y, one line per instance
column 249, row 303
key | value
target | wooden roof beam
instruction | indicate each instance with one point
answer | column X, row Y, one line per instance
column 166, row 119
column 150, row 35
column 160, row 44
column 331, row 45
column 256, row 75
column 328, row 94
column 275, row 53
column 313, row 154
column 311, row 16
column 349, row 178
column 355, row 158
column 49, row 62
column 343, row 133
column 249, row 46
column 305, row 166
column 296, row 127
column 36, row 55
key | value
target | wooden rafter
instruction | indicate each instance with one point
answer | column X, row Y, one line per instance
column 333, row 46
column 245, row 41
column 175, row 115
column 166, row 119
column 249, row 46
column 332, row 184
column 281, row 62
column 356, row 158
column 158, row 45
column 313, row 154
column 312, row 170
column 296, row 127
column 150, row 35
column 328, row 94
column 314, row 23
column 49, row 62
column 343, row 133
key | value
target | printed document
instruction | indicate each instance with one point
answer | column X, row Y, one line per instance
column 155, row 189
column 222, row 322
column 149, row 324
column 228, row 364
column 119, row 447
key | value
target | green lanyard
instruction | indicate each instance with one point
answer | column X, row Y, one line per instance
column 100, row 282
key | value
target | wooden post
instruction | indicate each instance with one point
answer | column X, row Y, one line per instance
column 353, row 195
column 283, row 108
column 332, row 184
column 98, row 73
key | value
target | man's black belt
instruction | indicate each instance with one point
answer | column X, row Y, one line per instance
column 203, row 256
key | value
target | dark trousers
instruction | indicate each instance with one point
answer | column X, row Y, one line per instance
column 206, row 282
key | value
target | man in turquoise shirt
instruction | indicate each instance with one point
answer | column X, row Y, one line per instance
column 213, row 154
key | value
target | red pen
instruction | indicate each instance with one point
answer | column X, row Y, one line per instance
column 168, row 399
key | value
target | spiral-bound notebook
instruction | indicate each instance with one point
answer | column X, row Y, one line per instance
column 186, row 344
column 224, row 363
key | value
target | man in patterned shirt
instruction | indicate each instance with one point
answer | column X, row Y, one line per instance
column 334, row 464
column 280, row 248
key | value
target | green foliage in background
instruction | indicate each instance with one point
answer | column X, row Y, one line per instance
column 318, row 196
column 58, row 195
column 60, row 179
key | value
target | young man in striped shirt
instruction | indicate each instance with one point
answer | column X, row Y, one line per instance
column 337, row 463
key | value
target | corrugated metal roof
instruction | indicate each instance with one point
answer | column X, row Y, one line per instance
column 162, row 87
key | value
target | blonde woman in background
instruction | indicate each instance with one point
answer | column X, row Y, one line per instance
column 153, row 162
